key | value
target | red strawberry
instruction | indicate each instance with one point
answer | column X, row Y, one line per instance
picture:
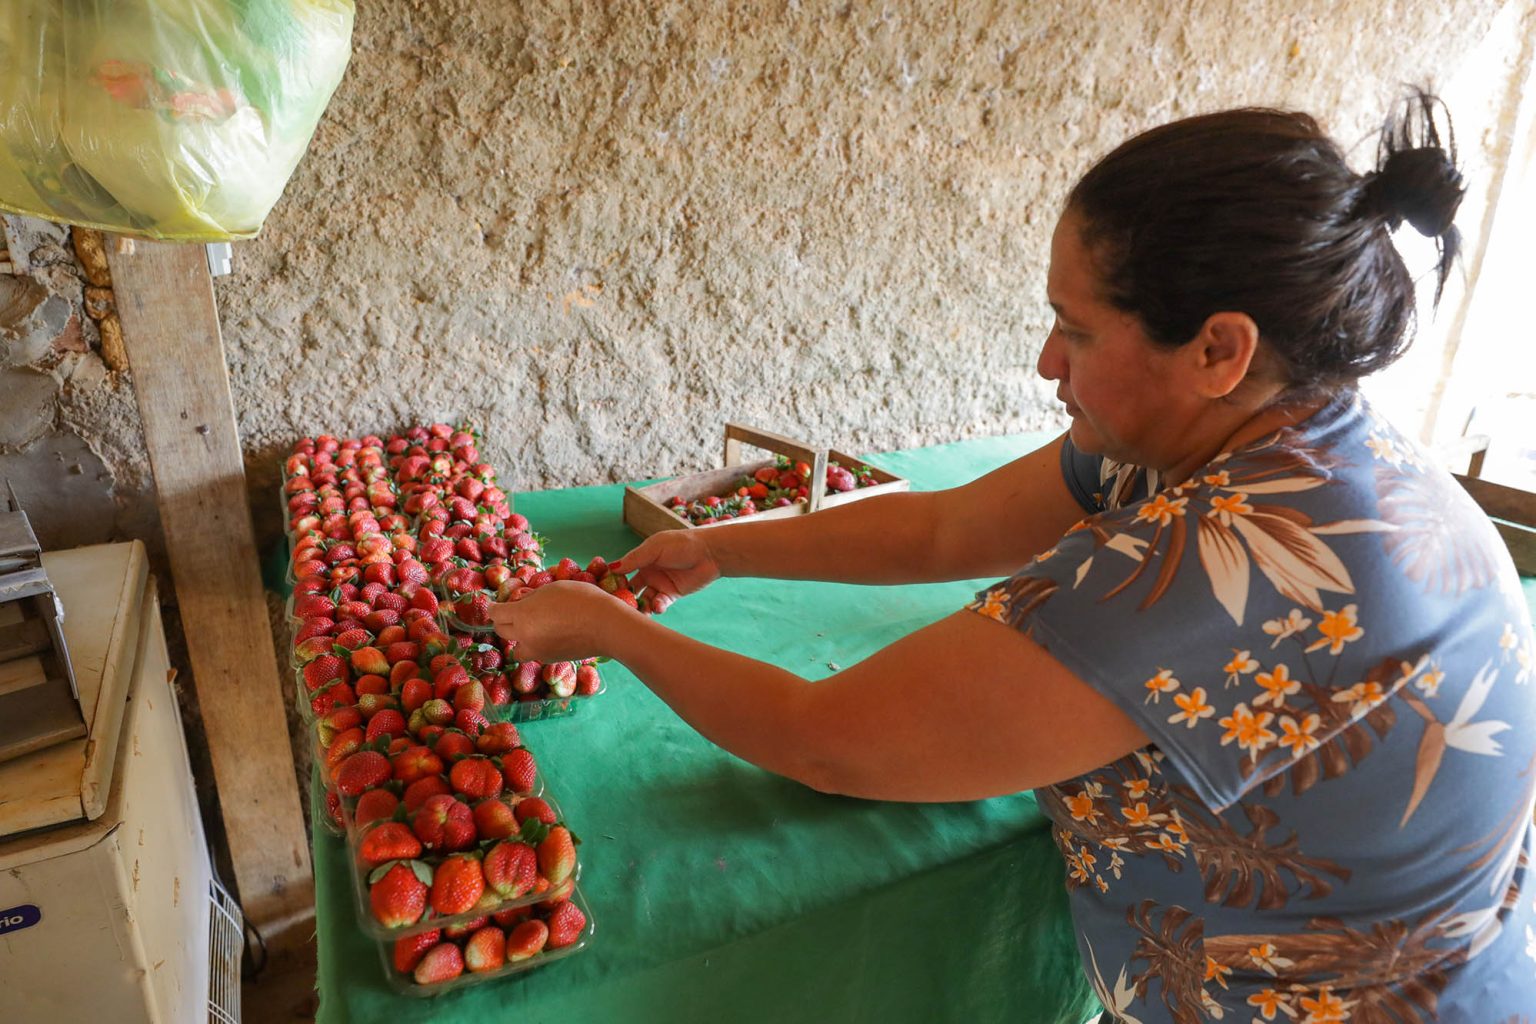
column 368, row 594
column 467, row 549
column 498, row 738
column 398, row 895
column 353, row 639
column 588, row 680
column 541, row 579
column 471, row 695
column 389, row 636
column 566, row 923
column 470, row 721
column 438, row 711
column 486, row 950
column 371, row 684
column 414, row 693
column 353, row 609
column 444, row 823
column 337, row 722
column 374, row 805
column 306, row 651
column 494, row 820
column 417, row 793
column 371, row 704
column 388, row 722
column 519, row 770
column 512, row 918
column 557, row 855
column 556, row 895
column 527, row 940
column 457, row 885
column 425, row 600
column 317, row 625
column 465, row 929
column 400, row 671
column 476, row 777
column 370, row 660
column 533, row 808
column 416, row 762
column 361, row 771
column 411, row 571
column 452, row 745
column 402, row 652
column 449, row 678
column 409, row 950
column 438, row 549
column 526, row 679
column 560, row 677
column 307, row 606
column 389, row 840
column 498, row 691
column 443, row 962
column 476, row 610
column 381, row 619
column 511, row 869
column 342, row 746
column 328, row 698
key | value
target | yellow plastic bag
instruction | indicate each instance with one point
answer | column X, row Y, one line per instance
column 174, row 119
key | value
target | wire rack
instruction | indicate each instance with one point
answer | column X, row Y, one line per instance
column 226, row 946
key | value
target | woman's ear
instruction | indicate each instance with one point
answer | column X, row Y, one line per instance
column 1222, row 353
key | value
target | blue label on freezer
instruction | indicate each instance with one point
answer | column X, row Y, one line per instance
column 17, row 918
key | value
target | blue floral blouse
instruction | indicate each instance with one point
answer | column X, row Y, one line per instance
column 1326, row 641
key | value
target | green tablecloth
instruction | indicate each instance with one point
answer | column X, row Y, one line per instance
column 721, row 892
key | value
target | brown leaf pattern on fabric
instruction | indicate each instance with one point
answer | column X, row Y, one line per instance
column 1174, row 956
column 1242, row 869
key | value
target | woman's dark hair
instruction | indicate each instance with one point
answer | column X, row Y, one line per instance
column 1256, row 211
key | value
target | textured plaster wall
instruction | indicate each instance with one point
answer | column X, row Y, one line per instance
column 599, row 230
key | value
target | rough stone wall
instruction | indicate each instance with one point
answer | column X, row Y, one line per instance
column 598, row 230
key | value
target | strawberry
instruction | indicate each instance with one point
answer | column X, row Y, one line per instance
column 336, row 723
column 353, row 609
column 342, row 746
column 361, row 771
column 513, row 917
column 457, row 885
column 411, row 571
column 328, row 698
column 498, row 738
column 494, row 820
column 452, row 745
column 476, row 777
column 382, row 573
column 417, row 793
column 533, row 809
column 402, row 652
column 367, row 660
column 400, row 671
column 588, row 681
column 471, row 695
column 438, row 549
column 443, row 962
column 566, row 923
column 448, row 678
column 389, row 636
column 389, row 840
column 371, row 704
column 557, row 855
column 526, row 678
column 315, row 625
column 370, row 684
column 511, row 869
column 443, row 823
column 476, row 611
column 486, row 950
column 414, row 693
column 498, row 691
column 306, row 651
column 409, row 950
column 468, row 549
column 414, row 763
column 374, row 805
column 398, row 894
column 519, row 770
column 381, row 619
column 466, row 928
column 388, row 722
column 424, row 600
column 438, row 711
column 352, row 639
column 527, row 940
column 541, row 579
column 560, row 677
column 556, row 895
column 306, row 606
column 470, row 721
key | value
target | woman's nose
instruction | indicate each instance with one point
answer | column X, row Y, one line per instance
column 1051, row 365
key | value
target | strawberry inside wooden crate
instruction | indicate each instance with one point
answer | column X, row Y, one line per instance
column 655, row 507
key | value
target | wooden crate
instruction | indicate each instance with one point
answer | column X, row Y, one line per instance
column 646, row 511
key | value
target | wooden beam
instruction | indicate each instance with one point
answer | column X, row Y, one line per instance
column 171, row 328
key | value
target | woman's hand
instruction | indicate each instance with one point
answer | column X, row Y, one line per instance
column 564, row 621
column 671, row 563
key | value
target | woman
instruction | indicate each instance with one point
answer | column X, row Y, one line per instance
column 1274, row 691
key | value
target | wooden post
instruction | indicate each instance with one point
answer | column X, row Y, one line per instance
column 171, row 329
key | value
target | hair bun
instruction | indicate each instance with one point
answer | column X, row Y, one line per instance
column 1421, row 186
